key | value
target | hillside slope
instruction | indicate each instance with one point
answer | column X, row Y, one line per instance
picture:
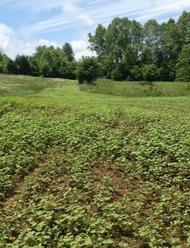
column 79, row 169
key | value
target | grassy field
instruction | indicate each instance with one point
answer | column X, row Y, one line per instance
column 79, row 169
column 139, row 89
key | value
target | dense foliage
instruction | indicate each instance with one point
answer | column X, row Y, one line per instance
column 88, row 70
column 81, row 170
column 46, row 62
column 183, row 65
column 155, row 52
column 126, row 50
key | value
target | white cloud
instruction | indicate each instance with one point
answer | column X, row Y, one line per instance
column 11, row 45
column 169, row 8
column 45, row 25
column 6, row 38
column 71, row 9
column 71, row 16
column 80, row 48
column 29, row 47
column 80, row 15
column 105, row 11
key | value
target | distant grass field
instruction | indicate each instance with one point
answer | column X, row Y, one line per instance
column 79, row 169
column 139, row 89
column 22, row 85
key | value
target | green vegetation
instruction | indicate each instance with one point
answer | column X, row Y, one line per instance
column 79, row 169
column 125, row 50
column 88, row 70
column 138, row 89
column 22, row 85
column 183, row 65
column 149, row 73
column 128, row 50
column 46, row 62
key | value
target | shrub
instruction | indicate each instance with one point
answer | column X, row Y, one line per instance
column 135, row 74
column 150, row 72
column 117, row 75
column 88, row 70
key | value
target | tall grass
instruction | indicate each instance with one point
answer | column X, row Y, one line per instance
column 138, row 89
column 26, row 85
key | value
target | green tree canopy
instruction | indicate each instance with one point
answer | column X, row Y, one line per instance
column 150, row 72
column 125, row 49
column 53, row 62
column 88, row 70
column 183, row 65
column 68, row 52
column 22, row 65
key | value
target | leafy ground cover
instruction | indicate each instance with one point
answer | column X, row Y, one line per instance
column 79, row 169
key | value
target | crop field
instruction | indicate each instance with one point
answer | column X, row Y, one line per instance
column 82, row 169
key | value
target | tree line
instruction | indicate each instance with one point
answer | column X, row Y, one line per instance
column 46, row 62
column 125, row 50
column 128, row 50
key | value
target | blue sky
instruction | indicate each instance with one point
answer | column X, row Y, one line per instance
column 25, row 24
